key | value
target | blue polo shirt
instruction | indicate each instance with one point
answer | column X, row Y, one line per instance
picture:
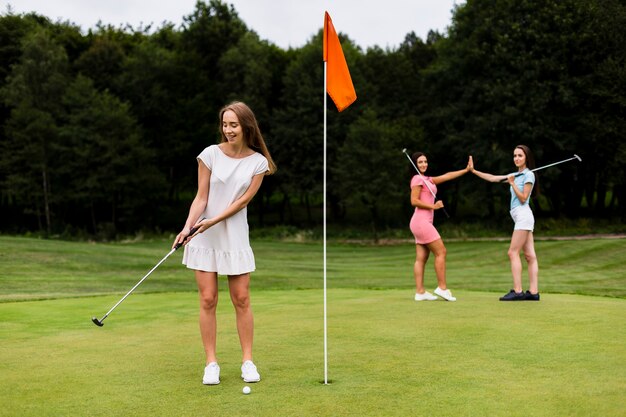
column 527, row 176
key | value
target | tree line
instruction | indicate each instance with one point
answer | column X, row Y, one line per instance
column 100, row 129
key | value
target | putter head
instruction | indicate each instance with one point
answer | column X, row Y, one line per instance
column 97, row 322
column 578, row 157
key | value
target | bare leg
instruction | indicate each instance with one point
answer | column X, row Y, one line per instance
column 439, row 250
column 207, row 290
column 239, row 286
column 421, row 256
column 533, row 264
column 517, row 242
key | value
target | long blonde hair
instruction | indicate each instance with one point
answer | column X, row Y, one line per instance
column 251, row 131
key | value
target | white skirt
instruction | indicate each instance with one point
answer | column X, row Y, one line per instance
column 523, row 218
column 223, row 262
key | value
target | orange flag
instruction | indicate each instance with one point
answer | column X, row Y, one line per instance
column 338, row 81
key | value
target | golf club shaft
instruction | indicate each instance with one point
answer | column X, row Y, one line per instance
column 426, row 183
column 139, row 283
column 556, row 163
column 551, row 165
column 174, row 249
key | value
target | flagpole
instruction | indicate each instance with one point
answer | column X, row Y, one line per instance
column 343, row 94
column 324, row 211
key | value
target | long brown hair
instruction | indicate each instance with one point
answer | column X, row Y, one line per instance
column 414, row 158
column 530, row 164
column 251, row 131
column 530, row 158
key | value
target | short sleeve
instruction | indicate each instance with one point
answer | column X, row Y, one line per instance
column 207, row 156
column 416, row 181
column 262, row 166
column 529, row 178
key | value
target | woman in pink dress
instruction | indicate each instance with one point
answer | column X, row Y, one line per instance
column 427, row 239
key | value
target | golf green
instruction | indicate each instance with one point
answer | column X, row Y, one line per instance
column 388, row 355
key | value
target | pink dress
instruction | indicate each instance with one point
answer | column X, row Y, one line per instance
column 422, row 220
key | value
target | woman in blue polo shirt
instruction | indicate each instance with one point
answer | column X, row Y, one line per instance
column 521, row 186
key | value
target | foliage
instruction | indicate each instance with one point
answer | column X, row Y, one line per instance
column 549, row 74
column 530, row 72
column 367, row 172
column 100, row 138
column 28, row 156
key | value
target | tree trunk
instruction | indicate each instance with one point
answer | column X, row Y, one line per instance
column 93, row 218
column 46, row 202
column 600, row 196
column 374, row 213
column 309, row 215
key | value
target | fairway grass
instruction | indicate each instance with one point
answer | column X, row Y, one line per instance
column 388, row 356
column 33, row 269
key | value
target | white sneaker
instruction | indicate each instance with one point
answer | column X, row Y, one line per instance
column 211, row 374
column 425, row 297
column 445, row 294
column 249, row 372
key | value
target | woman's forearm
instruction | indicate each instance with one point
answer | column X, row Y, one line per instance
column 489, row 177
column 195, row 211
column 449, row 176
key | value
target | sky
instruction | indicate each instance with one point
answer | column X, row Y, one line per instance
column 285, row 23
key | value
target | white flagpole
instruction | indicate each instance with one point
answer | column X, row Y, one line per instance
column 324, row 211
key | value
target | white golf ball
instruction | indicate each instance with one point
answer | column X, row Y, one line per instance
column 246, row 390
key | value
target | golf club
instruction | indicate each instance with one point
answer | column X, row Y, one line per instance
column 556, row 163
column 550, row 165
column 174, row 249
column 427, row 186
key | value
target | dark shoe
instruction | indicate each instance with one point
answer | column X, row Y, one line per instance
column 513, row 296
column 529, row 296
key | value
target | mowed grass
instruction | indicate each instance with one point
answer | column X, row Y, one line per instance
column 388, row 355
column 40, row 269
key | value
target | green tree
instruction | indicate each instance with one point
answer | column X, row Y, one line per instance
column 13, row 29
column 251, row 71
column 33, row 92
column 515, row 72
column 102, row 61
column 207, row 33
column 367, row 171
column 119, row 185
column 297, row 129
column 160, row 86
column 392, row 79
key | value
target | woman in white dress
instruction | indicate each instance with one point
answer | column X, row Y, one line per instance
column 229, row 175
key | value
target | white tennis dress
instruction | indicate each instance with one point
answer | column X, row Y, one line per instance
column 225, row 247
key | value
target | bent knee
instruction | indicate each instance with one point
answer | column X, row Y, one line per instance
column 513, row 253
column 530, row 257
column 421, row 259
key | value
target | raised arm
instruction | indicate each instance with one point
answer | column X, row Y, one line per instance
column 486, row 176
column 489, row 177
column 454, row 174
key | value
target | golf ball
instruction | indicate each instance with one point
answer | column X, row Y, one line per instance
column 246, row 390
